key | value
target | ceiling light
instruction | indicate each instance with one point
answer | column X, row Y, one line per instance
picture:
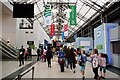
column 54, row 10
column 55, row 23
column 67, row 10
column 15, row 0
column 29, row 1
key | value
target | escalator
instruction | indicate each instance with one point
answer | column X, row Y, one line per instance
column 8, row 51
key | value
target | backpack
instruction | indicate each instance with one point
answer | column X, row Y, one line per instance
column 95, row 62
column 81, row 61
column 61, row 55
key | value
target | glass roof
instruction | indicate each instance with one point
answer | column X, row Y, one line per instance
column 86, row 9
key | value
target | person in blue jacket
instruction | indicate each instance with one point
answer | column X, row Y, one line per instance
column 61, row 57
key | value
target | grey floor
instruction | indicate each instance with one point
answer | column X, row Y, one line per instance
column 42, row 71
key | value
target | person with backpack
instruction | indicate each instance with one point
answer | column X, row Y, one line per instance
column 82, row 62
column 102, row 63
column 61, row 59
column 95, row 63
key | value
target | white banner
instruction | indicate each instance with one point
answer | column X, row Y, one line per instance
column 47, row 14
column 48, row 20
column 66, row 33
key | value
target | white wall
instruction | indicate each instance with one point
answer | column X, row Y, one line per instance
column 0, row 37
column 0, row 20
column 6, row 3
column 115, row 36
column 8, row 25
column 38, row 35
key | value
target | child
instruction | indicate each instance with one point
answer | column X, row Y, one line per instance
column 102, row 63
column 82, row 63
column 95, row 63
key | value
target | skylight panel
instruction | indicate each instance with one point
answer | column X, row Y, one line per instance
column 90, row 13
column 84, row 10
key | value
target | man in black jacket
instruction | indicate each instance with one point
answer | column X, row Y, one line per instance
column 21, row 55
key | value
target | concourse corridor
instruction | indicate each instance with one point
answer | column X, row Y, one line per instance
column 43, row 72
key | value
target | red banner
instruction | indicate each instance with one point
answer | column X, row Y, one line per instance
column 66, row 30
column 52, row 29
column 65, row 27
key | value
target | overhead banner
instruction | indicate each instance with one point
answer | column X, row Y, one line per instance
column 62, row 35
column 52, row 29
column 73, row 15
column 66, row 30
column 47, row 15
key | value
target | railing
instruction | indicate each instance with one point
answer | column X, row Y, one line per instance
column 21, row 75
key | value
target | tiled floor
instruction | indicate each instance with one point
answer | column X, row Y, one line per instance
column 42, row 71
column 9, row 67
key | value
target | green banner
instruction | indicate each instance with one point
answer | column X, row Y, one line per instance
column 73, row 15
column 47, row 11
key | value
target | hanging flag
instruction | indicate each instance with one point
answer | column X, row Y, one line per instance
column 66, row 30
column 47, row 14
column 52, row 29
column 62, row 35
column 48, row 20
column 47, row 11
column 73, row 15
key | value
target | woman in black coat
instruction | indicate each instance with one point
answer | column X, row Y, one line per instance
column 49, row 56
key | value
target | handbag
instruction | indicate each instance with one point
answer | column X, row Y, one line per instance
column 61, row 61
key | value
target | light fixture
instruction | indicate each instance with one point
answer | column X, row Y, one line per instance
column 29, row 1
column 67, row 10
column 55, row 23
column 54, row 10
column 15, row 0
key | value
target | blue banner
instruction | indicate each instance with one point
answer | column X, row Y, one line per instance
column 62, row 35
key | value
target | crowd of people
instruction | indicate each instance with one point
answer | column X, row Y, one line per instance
column 68, row 57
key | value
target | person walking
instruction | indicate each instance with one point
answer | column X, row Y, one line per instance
column 66, row 50
column 61, row 59
column 72, row 60
column 49, row 56
column 21, row 55
column 95, row 63
column 82, row 63
column 102, row 63
column 29, row 52
column 38, row 53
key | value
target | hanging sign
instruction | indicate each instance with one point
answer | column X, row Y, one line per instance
column 73, row 15
column 52, row 29
column 66, row 30
column 47, row 15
